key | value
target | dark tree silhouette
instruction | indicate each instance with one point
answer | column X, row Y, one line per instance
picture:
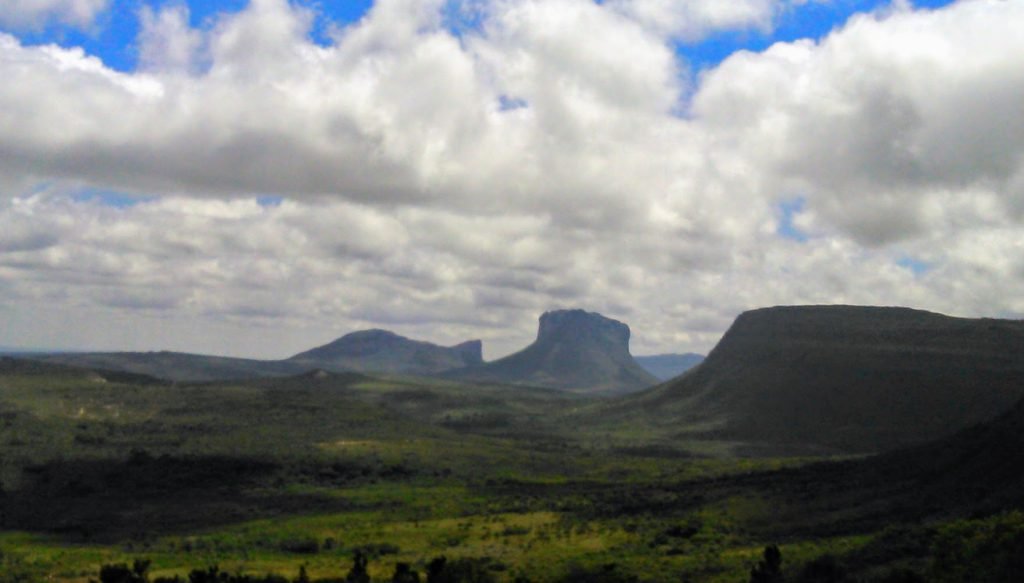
column 405, row 574
column 441, row 570
column 768, row 569
column 358, row 574
column 120, row 573
column 608, row 573
column 824, row 569
column 435, row 569
column 902, row 576
column 212, row 574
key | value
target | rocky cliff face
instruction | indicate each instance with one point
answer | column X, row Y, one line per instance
column 575, row 350
column 472, row 352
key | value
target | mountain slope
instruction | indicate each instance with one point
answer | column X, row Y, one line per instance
column 845, row 378
column 668, row 366
column 575, row 350
column 175, row 366
column 387, row 352
column 377, row 351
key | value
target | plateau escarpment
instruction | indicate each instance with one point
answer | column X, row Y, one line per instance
column 575, row 350
column 839, row 378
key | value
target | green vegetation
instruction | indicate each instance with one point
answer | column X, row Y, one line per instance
column 330, row 477
column 825, row 380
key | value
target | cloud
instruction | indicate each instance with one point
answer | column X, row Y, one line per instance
column 34, row 14
column 455, row 184
column 894, row 126
column 691, row 20
column 166, row 42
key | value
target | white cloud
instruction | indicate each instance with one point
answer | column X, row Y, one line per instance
column 691, row 20
column 887, row 122
column 166, row 42
column 33, row 14
column 456, row 186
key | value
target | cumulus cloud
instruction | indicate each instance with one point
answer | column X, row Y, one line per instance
column 331, row 267
column 894, row 126
column 166, row 41
column 33, row 14
column 452, row 184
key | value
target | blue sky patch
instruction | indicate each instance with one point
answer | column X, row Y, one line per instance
column 787, row 211
column 113, row 38
column 814, row 20
column 109, row 198
column 269, row 201
column 916, row 266
column 506, row 103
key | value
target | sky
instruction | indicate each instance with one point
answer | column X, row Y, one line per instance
column 253, row 178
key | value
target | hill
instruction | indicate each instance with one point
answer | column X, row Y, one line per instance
column 978, row 470
column 175, row 366
column 575, row 350
column 668, row 366
column 837, row 378
column 386, row 352
column 377, row 351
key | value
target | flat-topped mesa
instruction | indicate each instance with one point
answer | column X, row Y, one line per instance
column 581, row 326
column 383, row 351
column 575, row 350
column 846, row 378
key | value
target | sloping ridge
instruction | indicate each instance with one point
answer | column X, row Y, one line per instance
column 575, row 350
column 175, row 366
column 975, row 472
column 387, row 352
column 851, row 378
column 980, row 468
column 372, row 351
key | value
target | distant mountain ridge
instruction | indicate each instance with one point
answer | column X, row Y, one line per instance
column 384, row 351
column 839, row 378
column 174, row 366
column 575, row 350
column 378, row 351
column 668, row 366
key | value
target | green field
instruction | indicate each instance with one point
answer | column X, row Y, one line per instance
column 270, row 476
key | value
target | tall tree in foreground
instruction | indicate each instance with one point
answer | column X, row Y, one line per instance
column 768, row 569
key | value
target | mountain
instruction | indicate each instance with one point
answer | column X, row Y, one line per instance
column 387, row 352
column 977, row 471
column 376, row 351
column 838, row 378
column 668, row 366
column 174, row 366
column 980, row 469
column 575, row 350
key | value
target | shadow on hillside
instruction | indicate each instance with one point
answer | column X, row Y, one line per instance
column 143, row 497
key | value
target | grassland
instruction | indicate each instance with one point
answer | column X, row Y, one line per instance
column 272, row 475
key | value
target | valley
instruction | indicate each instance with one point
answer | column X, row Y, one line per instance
column 267, row 475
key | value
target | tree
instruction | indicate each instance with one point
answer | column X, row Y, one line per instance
column 358, row 574
column 212, row 574
column 405, row 574
column 466, row 570
column 824, row 569
column 120, row 573
column 768, row 569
